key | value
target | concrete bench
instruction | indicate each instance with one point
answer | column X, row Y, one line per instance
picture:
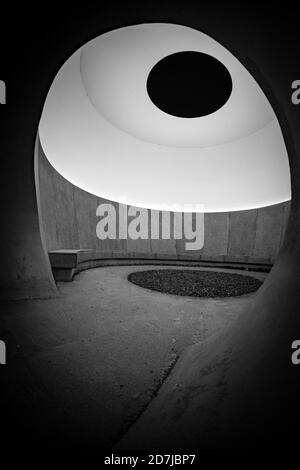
column 66, row 263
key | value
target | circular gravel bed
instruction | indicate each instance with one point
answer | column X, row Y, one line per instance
column 195, row 283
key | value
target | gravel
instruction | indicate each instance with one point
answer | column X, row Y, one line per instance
column 194, row 283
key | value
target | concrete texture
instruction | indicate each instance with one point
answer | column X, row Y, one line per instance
column 269, row 225
column 90, row 361
column 25, row 268
column 261, row 386
column 212, row 398
column 69, row 220
column 242, row 232
column 216, row 233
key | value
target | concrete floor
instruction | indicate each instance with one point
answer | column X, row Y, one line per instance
column 83, row 367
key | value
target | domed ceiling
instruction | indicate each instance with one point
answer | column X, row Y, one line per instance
column 164, row 117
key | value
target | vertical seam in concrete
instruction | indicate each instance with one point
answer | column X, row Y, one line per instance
column 229, row 233
column 255, row 234
column 75, row 218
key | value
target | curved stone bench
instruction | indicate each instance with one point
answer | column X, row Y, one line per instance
column 66, row 263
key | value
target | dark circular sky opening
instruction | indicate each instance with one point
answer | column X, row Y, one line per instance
column 189, row 84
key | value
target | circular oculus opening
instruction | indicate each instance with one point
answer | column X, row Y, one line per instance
column 189, row 84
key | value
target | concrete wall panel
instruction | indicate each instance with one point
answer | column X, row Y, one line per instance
column 242, row 227
column 268, row 232
column 216, row 232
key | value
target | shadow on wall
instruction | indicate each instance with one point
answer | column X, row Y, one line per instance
column 69, row 219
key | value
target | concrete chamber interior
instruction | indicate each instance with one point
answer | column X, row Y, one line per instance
column 240, row 381
column 69, row 220
column 103, row 139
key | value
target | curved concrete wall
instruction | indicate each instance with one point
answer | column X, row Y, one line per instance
column 69, row 218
